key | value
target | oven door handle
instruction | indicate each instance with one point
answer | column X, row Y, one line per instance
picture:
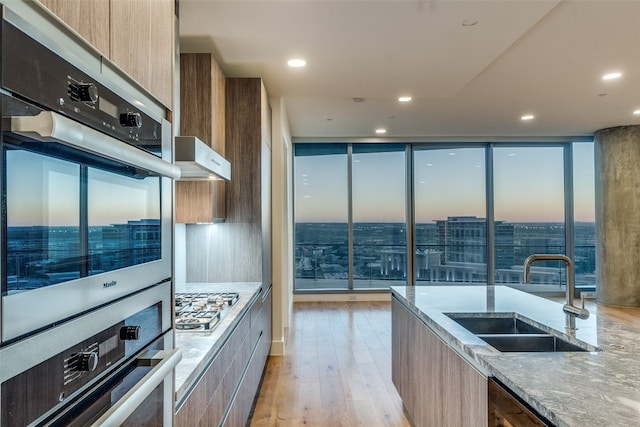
column 48, row 125
column 163, row 363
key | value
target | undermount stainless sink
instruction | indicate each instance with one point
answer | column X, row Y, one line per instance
column 529, row 343
column 505, row 323
column 506, row 332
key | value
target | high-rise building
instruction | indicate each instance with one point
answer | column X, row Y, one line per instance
column 464, row 239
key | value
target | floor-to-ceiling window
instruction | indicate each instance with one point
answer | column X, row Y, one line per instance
column 321, row 217
column 584, row 214
column 368, row 216
column 529, row 206
column 379, row 215
column 450, row 215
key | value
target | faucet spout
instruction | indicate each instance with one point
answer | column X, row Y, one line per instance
column 569, row 308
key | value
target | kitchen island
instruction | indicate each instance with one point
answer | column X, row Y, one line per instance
column 220, row 370
column 591, row 388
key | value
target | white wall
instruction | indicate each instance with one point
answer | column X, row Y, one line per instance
column 281, row 224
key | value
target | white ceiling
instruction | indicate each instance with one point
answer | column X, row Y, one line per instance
column 538, row 57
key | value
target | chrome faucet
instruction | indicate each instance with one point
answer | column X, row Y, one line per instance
column 569, row 309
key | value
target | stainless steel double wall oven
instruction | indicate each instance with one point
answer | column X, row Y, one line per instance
column 85, row 253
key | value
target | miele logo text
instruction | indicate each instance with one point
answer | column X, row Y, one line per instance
column 109, row 284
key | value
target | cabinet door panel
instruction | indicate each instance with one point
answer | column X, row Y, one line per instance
column 437, row 386
column 90, row 19
column 142, row 43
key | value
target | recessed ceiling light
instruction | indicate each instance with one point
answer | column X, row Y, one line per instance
column 405, row 99
column 527, row 117
column 612, row 76
column 296, row 63
column 380, row 131
column 469, row 22
column 637, row 112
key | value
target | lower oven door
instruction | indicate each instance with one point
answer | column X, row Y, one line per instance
column 138, row 394
column 54, row 376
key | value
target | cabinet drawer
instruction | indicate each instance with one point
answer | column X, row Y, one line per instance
column 221, row 369
column 241, row 407
column 257, row 321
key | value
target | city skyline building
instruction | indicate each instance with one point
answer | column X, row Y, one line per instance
column 380, row 254
column 40, row 256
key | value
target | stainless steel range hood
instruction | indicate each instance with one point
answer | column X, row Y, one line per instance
column 198, row 161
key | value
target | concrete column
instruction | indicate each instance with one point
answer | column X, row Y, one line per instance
column 617, row 191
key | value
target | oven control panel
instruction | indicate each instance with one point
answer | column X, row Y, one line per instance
column 32, row 72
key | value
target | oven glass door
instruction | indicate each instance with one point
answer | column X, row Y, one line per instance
column 138, row 394
column 148, row 413
column 66, row 219
column 85, row 219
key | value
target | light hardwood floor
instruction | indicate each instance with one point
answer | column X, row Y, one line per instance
column 337, row 371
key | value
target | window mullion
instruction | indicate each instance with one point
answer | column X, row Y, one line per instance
column 410, row 218
column 491, row 240
column 569, row 235
column 350, row 212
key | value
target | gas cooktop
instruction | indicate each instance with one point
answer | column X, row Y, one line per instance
column 202, row 311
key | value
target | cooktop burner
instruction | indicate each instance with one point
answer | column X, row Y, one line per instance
column 202, row 311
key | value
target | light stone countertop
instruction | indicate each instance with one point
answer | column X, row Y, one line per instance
column 199, row 348
column 576, row 389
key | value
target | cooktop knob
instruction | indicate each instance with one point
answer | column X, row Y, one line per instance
column 83, row 92
column 87, row 361
column 128, row 333
column 130, row 120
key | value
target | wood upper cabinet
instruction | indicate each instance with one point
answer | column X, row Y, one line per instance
column 143, row 41
column 248, row 136
column 136, row 35
column 202, row 114
column 89, row 18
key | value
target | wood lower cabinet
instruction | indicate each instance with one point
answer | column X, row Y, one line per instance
column 437, row 386
column 243, row 404
column 226, row 391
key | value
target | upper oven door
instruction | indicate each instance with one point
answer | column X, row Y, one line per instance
column 86, row 218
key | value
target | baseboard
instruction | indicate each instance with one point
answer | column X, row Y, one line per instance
column 343, row 297
column 277, row 348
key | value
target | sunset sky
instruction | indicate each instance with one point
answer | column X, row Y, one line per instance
column 45, row 191
column 528, row 185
